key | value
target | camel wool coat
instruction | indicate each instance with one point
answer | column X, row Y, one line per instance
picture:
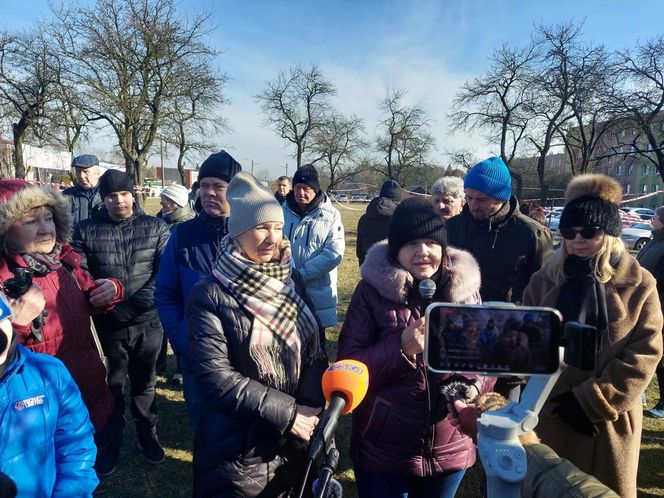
column 611, row 395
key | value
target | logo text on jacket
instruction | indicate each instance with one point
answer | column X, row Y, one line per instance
column 29, row 402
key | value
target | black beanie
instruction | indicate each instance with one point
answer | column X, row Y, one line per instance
column 391, row 190
column 414, row 219
column 115, row 181
column 219, row 165
column 307, row 175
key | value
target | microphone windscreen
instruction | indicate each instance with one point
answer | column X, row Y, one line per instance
column 427, row 288
column 348, row 377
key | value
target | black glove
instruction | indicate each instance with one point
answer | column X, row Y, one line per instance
column 569, row 409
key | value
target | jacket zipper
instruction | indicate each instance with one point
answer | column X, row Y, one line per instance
column 308, row 230
column 428, row 431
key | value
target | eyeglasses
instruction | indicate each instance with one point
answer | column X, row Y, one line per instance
column 586, row 232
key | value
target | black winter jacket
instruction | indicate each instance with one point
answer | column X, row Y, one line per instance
column 651, row 257
column 128, row 250
column 509, row 247
column 242, row 447
column 374, row 225
column 82, row 202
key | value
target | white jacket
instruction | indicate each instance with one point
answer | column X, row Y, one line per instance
column 318, row 244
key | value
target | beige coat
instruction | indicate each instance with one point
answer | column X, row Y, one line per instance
column 611, row 395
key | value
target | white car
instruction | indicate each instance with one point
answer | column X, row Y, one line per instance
column 636, row 236
column 643, row 213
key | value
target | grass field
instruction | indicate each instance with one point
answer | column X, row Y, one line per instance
column 137, row 478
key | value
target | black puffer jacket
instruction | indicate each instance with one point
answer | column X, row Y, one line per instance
column 374, row 224
column 242, row 447
column 82, row 202
column 128, row 250
column 509, row 247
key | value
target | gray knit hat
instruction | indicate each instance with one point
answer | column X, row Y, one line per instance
column 251, row 204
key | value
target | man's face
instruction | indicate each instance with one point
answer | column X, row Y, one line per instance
column 212, row 192
column 120, row 205
column 482, row 206
column 446, row 205
column 283, row 187
column 87, row 177
column 167, row 205
column 304, row 194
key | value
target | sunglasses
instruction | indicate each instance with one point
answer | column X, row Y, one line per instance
column 586, row 232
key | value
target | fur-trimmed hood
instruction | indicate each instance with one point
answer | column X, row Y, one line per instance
column 19, row 197
column 395, row 283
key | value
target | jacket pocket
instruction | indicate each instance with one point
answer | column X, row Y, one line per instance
column 377, row 420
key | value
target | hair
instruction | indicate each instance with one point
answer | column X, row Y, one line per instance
column 451, row 185
column 282, row 178
column 602, row 269
column 659, row 212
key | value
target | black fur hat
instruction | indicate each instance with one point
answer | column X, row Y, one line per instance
column 592, row 200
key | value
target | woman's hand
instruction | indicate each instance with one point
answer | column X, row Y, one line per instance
column 305, row 422
column 103, row 293
column 412, row 338
column 27, row 307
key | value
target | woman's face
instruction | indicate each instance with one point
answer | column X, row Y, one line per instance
column 421, row 257
column 656, row 224
column 34, row 232
column 584, row 248
column 261, row 244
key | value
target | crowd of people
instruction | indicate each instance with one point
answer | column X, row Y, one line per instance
column 242, row 282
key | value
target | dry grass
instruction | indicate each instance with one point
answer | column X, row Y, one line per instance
column 137, row 478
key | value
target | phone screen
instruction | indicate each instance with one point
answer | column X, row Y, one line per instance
column 491, row 339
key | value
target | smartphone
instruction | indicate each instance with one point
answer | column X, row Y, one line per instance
column 492, row 339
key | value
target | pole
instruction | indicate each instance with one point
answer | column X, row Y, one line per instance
column 286, row 169
column 161, row 159
column 252, row 167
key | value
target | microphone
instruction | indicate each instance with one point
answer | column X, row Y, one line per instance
column 427, row 289
column 345, row 385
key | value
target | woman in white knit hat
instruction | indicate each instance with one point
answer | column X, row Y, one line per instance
column 175, row 206
column 258, row 356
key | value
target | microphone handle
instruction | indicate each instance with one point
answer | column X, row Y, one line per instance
column 327, row 425
column 426, row 301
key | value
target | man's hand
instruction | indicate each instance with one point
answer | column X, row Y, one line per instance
column 103, row 293
column 412, row 338
column 27, row 307
column 306, row 421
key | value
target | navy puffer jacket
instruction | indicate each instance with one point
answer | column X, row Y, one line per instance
column 128, row 250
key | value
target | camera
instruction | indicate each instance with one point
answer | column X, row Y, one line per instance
column 18, row 285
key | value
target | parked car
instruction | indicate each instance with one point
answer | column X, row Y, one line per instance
column 636, row 236
column 643, row 213
column 553, row 219
column 341, row 197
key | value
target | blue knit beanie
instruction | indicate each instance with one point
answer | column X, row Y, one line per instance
column 490, row 177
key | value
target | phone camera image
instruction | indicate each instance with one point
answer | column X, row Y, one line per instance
column 493, row 339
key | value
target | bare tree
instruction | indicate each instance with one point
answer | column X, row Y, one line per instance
column 336, row 143
column 640, row 100
column 192, row 121
column 295, row 104
column 28, row 73
column 127, row 57
column 460, row 160
column 497, row 102
column 403, row 137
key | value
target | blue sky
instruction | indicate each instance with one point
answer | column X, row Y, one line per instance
column 426, row 47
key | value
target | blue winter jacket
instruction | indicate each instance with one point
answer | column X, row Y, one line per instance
column 188, row 258
column 317, row 244
column 46, row 438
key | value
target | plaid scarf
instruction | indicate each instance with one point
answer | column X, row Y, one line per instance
column 284, row 330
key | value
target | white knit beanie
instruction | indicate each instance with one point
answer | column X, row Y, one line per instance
column 177, row 193
column 251, row 204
